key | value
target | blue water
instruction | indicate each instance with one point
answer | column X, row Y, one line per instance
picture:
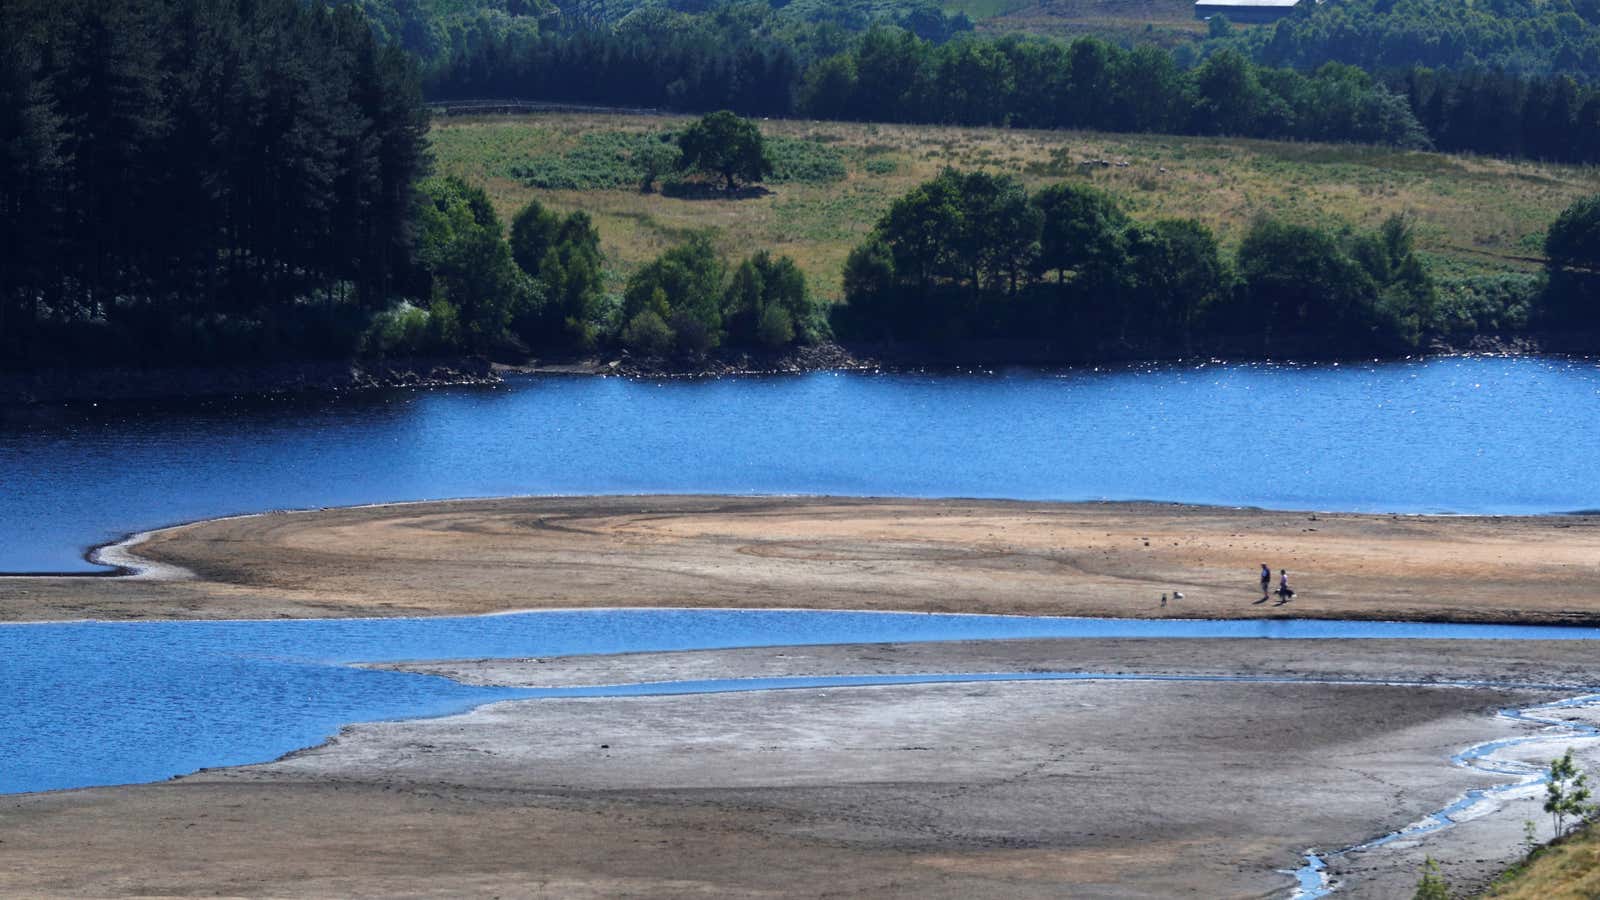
column 93, row 703
column 1465, row 435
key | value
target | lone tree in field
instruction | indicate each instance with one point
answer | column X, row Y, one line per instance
column 1566, row 793
column 725, row 144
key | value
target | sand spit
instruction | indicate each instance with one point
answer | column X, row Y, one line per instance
column 476, row 556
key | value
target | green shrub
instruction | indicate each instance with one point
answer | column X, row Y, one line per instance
column 776, row 327
column 606, row 159
column 804, row 162
column 1485, row 304
column 400, row 330
column 648, row 334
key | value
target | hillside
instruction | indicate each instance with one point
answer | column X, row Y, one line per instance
column 1566, row 870
column 1473, row 215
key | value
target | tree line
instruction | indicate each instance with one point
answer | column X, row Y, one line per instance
column 1550, row 118
column 231, row 177
column 969, row 257
column 733, row 59
column 1522, row 37
column 975, row 256
column 541, row 287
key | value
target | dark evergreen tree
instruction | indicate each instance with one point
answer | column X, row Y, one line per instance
column 202, row 179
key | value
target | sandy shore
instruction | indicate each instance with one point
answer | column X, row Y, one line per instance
column 1083, row 789
column 934, row 555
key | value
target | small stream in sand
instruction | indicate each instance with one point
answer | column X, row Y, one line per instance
column 102, row 703
column 1312, row 877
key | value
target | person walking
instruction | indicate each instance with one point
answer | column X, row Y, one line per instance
column 1285, row 593
column 1266, row 581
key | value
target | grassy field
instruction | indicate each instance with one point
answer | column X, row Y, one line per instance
column 1164, row 22
column 1473, row 215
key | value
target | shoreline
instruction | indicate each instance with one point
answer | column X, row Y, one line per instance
column 31, row 389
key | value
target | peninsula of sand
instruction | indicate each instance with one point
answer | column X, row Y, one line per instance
column 962, row 556
column 1192, row 785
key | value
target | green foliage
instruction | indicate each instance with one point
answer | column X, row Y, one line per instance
column 1574, row 238
column 1081, row 232
column 648, row 334
column 803, row 162
column 654, row 160
column 767, row 303
column 1298, row 281
column 1486, row 304
column 972, row 255
column 408, row 330
column 615, row 159
column 1516, row 36
column 1295, row 80
column 727, row 145
column 1566, row 793
column 1572, row 246
column 462, row 248
column 562, row 255
column 1176, row 276
column 683, row 287
column 216, row 177
column 966, row 229
column 607, row 159
column 776, row 327
column 436, row 31
column 1432, row 885
column 683, row 302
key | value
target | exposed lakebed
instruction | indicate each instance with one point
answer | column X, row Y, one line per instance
column 1453, row 435
column 94, row 703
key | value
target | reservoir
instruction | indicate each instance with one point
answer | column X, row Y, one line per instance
column 1451, row 435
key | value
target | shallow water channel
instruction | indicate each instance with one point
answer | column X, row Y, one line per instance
column 96, row 703
column 1461, row 435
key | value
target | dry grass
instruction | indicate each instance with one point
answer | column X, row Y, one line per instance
column 1472, row 214
column 1567, row 871
column 1164, row 22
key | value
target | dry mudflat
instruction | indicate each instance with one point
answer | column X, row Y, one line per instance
column 1103, row 788
column 1119, row 788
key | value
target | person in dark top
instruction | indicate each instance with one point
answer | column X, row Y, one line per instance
column 1266, row 580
